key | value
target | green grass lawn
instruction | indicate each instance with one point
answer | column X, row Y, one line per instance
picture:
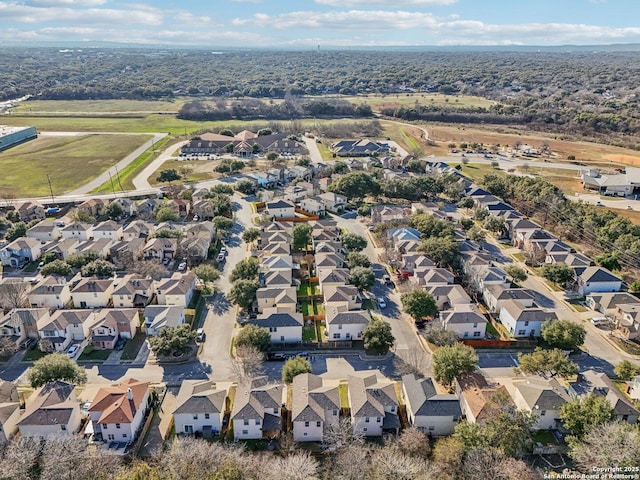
column 343, row 391
column 37, row 107
column 94, row 354
column 477, row 171
column 545, row 437
column 309, row 333
column 32, row 266
column 491, row 330
column 631, row 348
column 324, row 151
column 33, row 355
column 132, row 347
column 576, row 304
column 518, row 256
column 306, row 307
column 70, row 162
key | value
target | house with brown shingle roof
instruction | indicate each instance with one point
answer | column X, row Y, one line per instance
column 50, row 292
column 65, row 326
column 315, row 408
column 53, row 411
column 117, row 413
column 478, row 397
column 112, row 324
column 176, row 290
column 9, row 410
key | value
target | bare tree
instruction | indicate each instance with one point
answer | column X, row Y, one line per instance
column 609, row 444
column 45, row 345
column 9, row 197
column 489, row 463
column 20, row 459
column 149, row 268
column 342, row 435
column 412, row 360
column 248, row 362
column 413, row 442
column 297, row 466
column 14, row 294
column 389, row 462
column 71, row 458
column 7, row 347
column 349, row 463
column 534, row 254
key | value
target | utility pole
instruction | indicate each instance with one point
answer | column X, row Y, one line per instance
column 50, row 188
column 112, row 187
column 118, row 177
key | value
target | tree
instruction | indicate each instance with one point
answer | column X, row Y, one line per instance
column 166, row 213
column 243, row 292
column 583, row 413
column 625, row 370
column 364, row 210
column 222, row 189
column 451, row 361
column 170, row 175
column 419, row 304
column 98, row 268
column 353, row 242
column 226, row 132
column 168, row 233
column 57, row 267
column 608, row 260
column 443, row 251
column 13, row 294
column 272, row 156
column 245, row 186
column 250, row 235
column 172, row 340
column 517, row 274
column 357, row 259
column 78, row 215
column 362, row 278
column 494, row 224
column 295, row 366
column 563, row 334
column 546, row 363
column 301, row 236
column 340, row 167
column 15, row 231
column 413, row 442
column 303, row 162
column 57, row 366
column 341, row 435
column 377, row 336
column 7, row 347
column 441, row 337
column 207, row 273
column 246, row 269
column 248, row 362
column 558, row 273
column 476, row 234
column 114, row 210
column 355, row 185
column 608, row 444
column 79, row 260
column 223, row 223
column 253, row 335
column 221, row 204
column 466, row 202
column 48, row 257
column 430, row 226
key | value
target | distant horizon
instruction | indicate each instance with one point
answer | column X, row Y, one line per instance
column 302, row 24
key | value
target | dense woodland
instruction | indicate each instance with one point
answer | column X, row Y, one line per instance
column 590, row 93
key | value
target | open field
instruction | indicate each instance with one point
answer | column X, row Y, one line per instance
column 70, row 162
column 378, row 102
column 587, row 152
column 37, row 107
column 198, row 170
column 411, row 139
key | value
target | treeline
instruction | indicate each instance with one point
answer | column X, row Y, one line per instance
column 436, row 113
column 290, row 108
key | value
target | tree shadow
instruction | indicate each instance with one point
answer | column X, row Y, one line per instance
column 220, row 304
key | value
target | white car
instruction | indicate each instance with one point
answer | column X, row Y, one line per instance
column 182, row 266
column 73, row 349
column 382, row 303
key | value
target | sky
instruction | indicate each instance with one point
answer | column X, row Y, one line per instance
column 305, row 24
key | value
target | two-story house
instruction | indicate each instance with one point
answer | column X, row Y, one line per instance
column 77, row 230
column 374, row 406
column 52, row 411
column 108, row 229
column 92, row 292
column 132, row 291
column 435, row 414
column 256, row 409
column 280, row 209
column 50, row 292
column 542, row 397
column 112, row 324
column 65, row 326
column 523, row 321
column 347, row 324
column 284, row 327
column 176, row 290
column 465, row 320
column 315, row 408
column 45, row 231
column 200, row 408
column 21, row 251
column 157, row 317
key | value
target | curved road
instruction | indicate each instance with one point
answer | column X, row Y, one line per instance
column 141, row 181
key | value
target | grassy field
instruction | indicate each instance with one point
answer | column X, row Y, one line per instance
column 378, row 102
column 477, row 171
column 198, row 170
column 37, row 107
column 69, row 161
column 411, row 139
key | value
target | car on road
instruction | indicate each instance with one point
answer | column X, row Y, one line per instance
column 382, row 303
column 200, row 335
column 223, row 250
column 599, row 321
column 599, row 204
column 220, row 257
column 182, row 266
column 73, row 349
column 387, row 281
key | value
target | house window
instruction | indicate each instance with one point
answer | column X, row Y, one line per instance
column 305, row 434
column 431, row 428
column 188, row 429
column 195, row 416
column 206, row 416
column 475, row 325
column 63, row 427
column 336, row 335
column 364, row 429
column 466, row 334
column 378, row 419
column 526, row 324
column 339, row 327
column 246, row 422
column 117, row 425
column 318, row 424
column 273, row 329
column 111, row 437
column 543, row 413
column 335, row 412
column 104, row 426
column 476, row 334
column 306, row 424
column 366, row 419
column 245, row 432
column 124, row 435
column 257, row 421
column 522, row 332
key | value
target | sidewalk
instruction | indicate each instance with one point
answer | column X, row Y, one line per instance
column 160, row 425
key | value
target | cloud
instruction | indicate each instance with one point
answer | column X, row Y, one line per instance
column 65, row 3
column 386, row 3
column 14, row 12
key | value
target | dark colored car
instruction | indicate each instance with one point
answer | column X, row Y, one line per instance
column 276, row 357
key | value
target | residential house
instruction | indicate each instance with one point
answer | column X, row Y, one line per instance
column 430, row 276
column 113, row 324
column 12, row 327
column 9, row 411
column 345, row 325
column 323, row 183
column 432, row 413
column 256, row 409
column 416, row 261
column 77, row 230
column 284, row 327
column 157, row 317
column 542, row 397
column 117, row 413
column 446, row 296
column 606, row 303
column 161, row 248
column 298, row 171
column 132, row 291
column 262, row 179
column 315, row 408
column 342, row 297
column 94, row 207
column 183, row 207
column 400, row 234
column 568, row 258
column 204, row 209
column 63, row 248
column 591, row 382
column 478, row 397
column 176, row 290
column 295, row 193
column 203, row 229
column 333, row 202
column 66, row 326
column 129, row 206
column 29, row 211
column 280, row 209
column 465, row 320
column 147, row 207
column 627, row 319
column 524, row 321
column 359, row 148
column 45, row 231
column 494, row 295
column 125, row 252
column 51, row 411
column 389, row 213
column 137, row 229
column 597, row 279
column 92, row 292
column 22, row 323
column 101, row 247
column 50, row 292
column 314, row 206
column 200, row 408
column 277, row 279
column 195, row 249
column 339, row 276
column 330, row 261
column 277, row 263
column 107, row 229
column 282, row 297
column 21, row 251
column 374, row 406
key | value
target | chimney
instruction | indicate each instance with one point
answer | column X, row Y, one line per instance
column 129, row 394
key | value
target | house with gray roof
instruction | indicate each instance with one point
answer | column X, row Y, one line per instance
column 256, row 409
column 494, row 295
column 284, row 327
column 345, row 324
column 597, row 279
column 435, row 414
column 524, row 321
column 53, row 411
column 276, row 278
column 21, row 251
column 607, row 302
column 359, row 148
column 9, row 410
column 374, row 406
column 338, row 276
column 280, row 209
column 199, row 408
column 281, row 297
column 66, row 326
column 157, row 317
column 591, row 382
column 50, row 292
column 315, row 408
column 466, row 320
column 21, row 323
column 446, row 296
column 542, row 397
column 45, row 231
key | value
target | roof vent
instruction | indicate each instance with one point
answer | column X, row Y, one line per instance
column 129, row 394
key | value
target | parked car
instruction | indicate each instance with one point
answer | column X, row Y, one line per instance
column 120, row 344
column 276, row 357
column 26, row 343
column 382, row 303
column 220, row 257
column 599, row 204
column 182, row 266
column 73, row 349
column 598, row 321
column 200, row 335
column 223, row 250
